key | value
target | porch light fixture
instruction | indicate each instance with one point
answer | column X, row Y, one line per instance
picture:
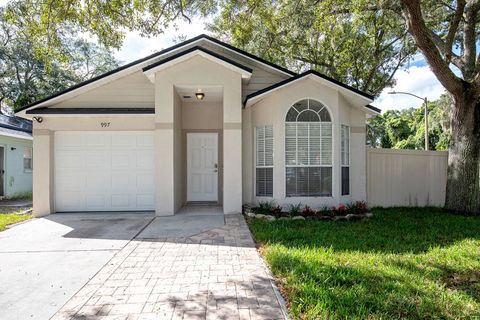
column 200, row 95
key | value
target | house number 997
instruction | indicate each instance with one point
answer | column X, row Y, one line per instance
column 105, row 124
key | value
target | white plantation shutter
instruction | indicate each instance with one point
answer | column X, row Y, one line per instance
column 308, row 150
column 345, row 158
column 264, row 161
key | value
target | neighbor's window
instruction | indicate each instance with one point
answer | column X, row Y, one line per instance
column 308, row 150
column 27, row 159
column 264, row 161
column 345, row 154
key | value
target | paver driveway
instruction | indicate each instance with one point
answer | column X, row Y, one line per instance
column 217, row 274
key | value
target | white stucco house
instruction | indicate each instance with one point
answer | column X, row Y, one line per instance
column 204, row 122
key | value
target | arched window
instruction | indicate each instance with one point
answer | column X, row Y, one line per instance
column 308, row 150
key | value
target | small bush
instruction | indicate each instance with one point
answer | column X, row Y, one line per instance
column 265, row 207
column 308, row 212
column 351, row 208
column 361, row 207
column 325, row 212
column 295, row 209
column 277, row 210
column 340, row 211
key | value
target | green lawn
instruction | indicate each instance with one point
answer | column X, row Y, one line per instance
column 401, row 263
column 10, row 216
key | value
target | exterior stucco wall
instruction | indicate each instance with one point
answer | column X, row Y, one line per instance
column 16, row 179
column 272, row 111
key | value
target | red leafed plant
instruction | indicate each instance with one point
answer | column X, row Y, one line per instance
column 361, row 207
column 341, row 210
column 276, row 210
column 308, row 212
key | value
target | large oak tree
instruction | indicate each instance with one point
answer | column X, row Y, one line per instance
column 363, row 42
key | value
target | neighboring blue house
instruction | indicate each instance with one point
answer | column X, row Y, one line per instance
column 15, row 156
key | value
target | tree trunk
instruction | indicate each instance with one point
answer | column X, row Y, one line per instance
column 463, row 185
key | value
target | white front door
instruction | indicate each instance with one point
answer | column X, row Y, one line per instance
column 202, row 167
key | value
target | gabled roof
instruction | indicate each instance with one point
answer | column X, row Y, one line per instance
column 145, row 60
column 245, row 71
column 253, row 97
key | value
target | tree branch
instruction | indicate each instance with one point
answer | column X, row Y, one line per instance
column 422, row 35
column 453, row 29
column 469, row 39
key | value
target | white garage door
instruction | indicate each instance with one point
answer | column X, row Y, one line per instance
column 104, row 171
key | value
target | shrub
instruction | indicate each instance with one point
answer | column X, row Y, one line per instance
column 361, row 207
column 277, row 210
column 325, row 211
column 352, row 208
column 295, row 209
column 265, row 207
column 308, row 212
column 340, row 211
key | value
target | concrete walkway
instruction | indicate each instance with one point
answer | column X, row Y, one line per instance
column 45, row 261
column 216, row 274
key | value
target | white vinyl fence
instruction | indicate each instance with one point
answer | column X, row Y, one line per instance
column 406, row 177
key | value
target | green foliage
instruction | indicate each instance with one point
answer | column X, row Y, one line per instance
column 405, row 129
column 342, row 38
column 11, row 218
column 24, row 78
column 403, row 263
column 295, row 209
column 46, row 23
column 265, row 207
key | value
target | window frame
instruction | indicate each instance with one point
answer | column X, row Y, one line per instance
column 342, row 164
column 332, row 165
column 31, row 159
column 256, row 166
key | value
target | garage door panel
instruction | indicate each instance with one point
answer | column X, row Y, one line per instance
column 69, row 159
column 95, row 141
column 73, row 182
column 144, row 159
column 145, row 141
column 145, row 182
column 97, row 182
column 104, row 171
column 95, row 201
column 124, row 140
column 145, row 200
column 120, row 200
column 95, row 159
column 70, row 201
column 122, row 182
column 68, row 141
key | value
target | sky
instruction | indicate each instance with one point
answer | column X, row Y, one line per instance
column 416, row 78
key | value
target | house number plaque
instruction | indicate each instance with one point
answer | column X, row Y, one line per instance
column 105, row 124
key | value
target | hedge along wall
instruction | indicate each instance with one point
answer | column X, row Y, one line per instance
column 406, row 177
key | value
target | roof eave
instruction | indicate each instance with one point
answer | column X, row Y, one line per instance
column 133, row 66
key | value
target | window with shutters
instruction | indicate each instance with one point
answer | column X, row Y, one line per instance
column 264, row 161
column 308, row 150
column 345, row 155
